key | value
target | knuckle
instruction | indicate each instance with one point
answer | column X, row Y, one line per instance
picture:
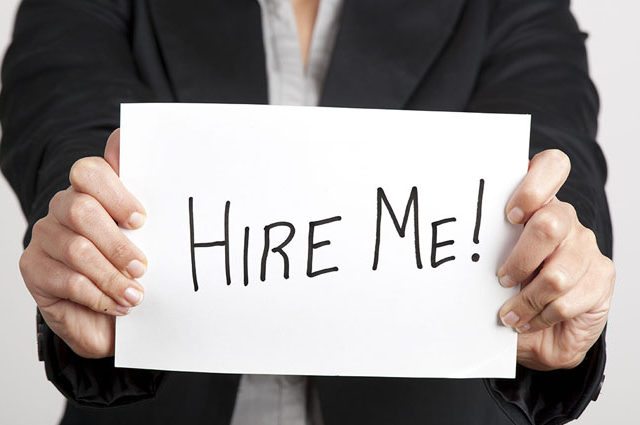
column 563, row 309
column 79, row 291
column 56, row 200
column 81, row 209
column 77, row 171
column 609, row 268
column 548, row 226
column 76, row 285
column 83, row 169
column 24, row 264
column 557, row 279
column 569, row 210
column 37, row 231
column 589, row 237
column 76, row 249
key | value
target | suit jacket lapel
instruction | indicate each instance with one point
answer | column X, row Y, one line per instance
column 384, row 48
column 213, row 49
column 214, row 52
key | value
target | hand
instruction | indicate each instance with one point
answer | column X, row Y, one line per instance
column 79, row 266
column 567, row 283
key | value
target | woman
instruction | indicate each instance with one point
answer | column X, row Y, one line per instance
column 70, row 65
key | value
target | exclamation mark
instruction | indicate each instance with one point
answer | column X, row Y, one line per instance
column 476, row 231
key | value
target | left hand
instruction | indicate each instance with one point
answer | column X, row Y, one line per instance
column 567, row 283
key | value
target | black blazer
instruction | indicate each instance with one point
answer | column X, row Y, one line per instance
column 73, row 61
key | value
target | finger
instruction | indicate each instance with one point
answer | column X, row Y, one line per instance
column 85, row 215
column 542, row 234
column 88, row 334
column 562, row 309
column 559, row 275
column 548, row 171
column 594, row 289
column 95, row 177
column 112, row 151
column 50, row 281
column 81, row 255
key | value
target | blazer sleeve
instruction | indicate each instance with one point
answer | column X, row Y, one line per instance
column 536, row 63
column 65, row 73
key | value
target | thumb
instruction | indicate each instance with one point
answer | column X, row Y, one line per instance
column 112, row 151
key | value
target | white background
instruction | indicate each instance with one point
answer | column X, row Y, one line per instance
column 614, row 46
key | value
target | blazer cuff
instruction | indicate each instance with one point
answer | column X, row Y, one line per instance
column 559, row 396
column 553, row 397
column 92, row 382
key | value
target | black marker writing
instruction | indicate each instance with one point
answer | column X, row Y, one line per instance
column 245, row 256
column 194, row 245
column 313, row 245
column 382, row 202
column 476, row 230
column 435, row 244
column 413, row 200
column 279, row 249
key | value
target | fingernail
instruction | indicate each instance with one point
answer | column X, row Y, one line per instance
column 136, row 269
column 136, row 220
column 515, row 216
column 510, row 319
column 133, row 296
column 523, row 328
column 507, row 281
column 122, row 310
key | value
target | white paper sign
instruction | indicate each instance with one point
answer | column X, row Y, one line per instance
column 273, row 249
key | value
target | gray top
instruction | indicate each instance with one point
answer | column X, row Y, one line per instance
column 269, row 399
column 289, row 82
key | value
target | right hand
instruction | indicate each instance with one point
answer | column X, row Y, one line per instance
column 79, row 266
